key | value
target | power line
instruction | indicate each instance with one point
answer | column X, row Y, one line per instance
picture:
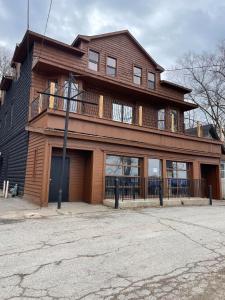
column 46, row 25
column 28, row 26
column 191, row 68
column 28, row 14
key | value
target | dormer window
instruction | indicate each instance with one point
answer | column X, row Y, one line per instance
column 137, row 75
column 93, row 60
column 111, row 66
column 151, row 80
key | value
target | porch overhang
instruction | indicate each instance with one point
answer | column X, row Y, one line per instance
column 104, row 82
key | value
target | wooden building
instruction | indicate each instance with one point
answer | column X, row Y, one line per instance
column 127, row 123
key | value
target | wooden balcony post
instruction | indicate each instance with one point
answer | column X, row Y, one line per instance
column 198, row 129
column 140, row 115
column 221, row 134
column 52, row 98
column 100, row 106
column 172, row 123
column 40, row 103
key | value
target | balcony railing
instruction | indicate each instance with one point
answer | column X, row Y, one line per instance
column 85, row 103
column 105, row 107
column 131, row 188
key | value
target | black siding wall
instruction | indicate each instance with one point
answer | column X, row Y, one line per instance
column 13, row 136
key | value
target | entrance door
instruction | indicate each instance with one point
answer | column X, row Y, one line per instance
column 210, row 174
column 55, row 179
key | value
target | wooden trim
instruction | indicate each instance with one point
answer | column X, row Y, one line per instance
column 40, row 104
column 198, row 129
column 101, row 106
column 140, row 115
column 51, row 98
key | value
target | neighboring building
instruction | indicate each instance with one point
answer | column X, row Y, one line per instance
column 209, row 131
column 128, row 123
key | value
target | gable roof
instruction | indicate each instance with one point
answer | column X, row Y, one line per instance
column 88, row 38
column 30, row 37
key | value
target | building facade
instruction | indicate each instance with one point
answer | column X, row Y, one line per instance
column 126, row 123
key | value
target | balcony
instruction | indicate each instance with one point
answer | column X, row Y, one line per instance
column 98, row 117
column 104, row 107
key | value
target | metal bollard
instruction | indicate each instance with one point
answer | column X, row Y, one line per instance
column 160, row 195
column 116, row 193
column 210, row 194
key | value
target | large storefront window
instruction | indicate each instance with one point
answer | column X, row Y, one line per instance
column 154, row 176
column 154, row 168
column 127, row 170
column 178, row 174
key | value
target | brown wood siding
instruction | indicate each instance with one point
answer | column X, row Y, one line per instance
column 35, row 167
column 120, row 47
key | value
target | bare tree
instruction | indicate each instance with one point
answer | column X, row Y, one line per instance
column 205, row 74
column 5, row 59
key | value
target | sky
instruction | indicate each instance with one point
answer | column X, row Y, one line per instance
column 167, row 29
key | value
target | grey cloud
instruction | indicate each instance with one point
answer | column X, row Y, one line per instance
column 167, row 29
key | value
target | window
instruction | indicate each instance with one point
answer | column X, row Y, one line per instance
column 122, row 113
column 151, row 80
column 127, row 170
column 122, row 166
column 154, row 168
column 74, row 91
column 178, row 174
column 222, row 169
column 177, row 169
column 174, row 120
column 137, row 75
column 93, row 60
column 154, row 176
column 161, row 119
column 111, row 66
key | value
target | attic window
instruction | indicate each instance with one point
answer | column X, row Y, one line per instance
column 137, row 75
column 93, row 60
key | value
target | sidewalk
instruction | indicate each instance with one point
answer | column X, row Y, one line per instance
column 19, row 208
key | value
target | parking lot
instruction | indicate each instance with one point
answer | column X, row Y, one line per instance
column 94, row 252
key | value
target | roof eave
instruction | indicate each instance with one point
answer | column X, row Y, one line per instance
column 177, row 86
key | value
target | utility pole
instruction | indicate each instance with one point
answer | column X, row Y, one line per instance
column 68, row 98
column 65, row 142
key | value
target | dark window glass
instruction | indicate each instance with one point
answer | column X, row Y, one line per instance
column 122, row 166
column 137, row 75
column 222, row 169
column 122, row 113
column 161, row 119
column 151, row 80
column 111, row 66
column 174, row 120
column 154, row 168
column 74, row 91
column 93, row 60
column 177, row 169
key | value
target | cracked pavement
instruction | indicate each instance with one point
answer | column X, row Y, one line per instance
column 92, row 253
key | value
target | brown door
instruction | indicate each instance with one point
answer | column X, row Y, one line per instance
column 210, row 174
column 56, row 167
